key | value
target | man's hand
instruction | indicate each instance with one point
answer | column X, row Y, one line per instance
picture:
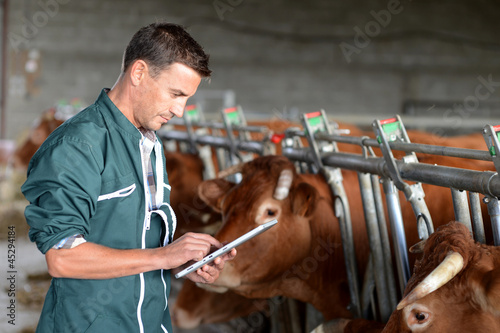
column 190, row 246
column 194, row 247
column 210, row 272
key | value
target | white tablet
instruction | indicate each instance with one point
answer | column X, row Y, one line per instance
column 226, row 248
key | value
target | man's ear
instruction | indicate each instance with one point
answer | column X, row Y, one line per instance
column 213, row 191
column 304, row 199
column 138, row 70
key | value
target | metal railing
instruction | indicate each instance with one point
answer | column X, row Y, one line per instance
column 378, row 291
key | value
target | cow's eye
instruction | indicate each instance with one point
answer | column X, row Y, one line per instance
column 420, row 316
column 271, row 212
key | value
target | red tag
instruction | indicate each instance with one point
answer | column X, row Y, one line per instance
column 276, row 138
column 229, row 110
column 313, row 114
column 388, row 121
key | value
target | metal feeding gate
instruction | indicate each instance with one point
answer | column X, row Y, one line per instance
column 376, row 296
column 322, row 156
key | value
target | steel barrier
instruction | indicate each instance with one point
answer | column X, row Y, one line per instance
column 377, row 293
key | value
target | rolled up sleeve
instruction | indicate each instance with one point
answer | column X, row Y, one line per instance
column 62, row 187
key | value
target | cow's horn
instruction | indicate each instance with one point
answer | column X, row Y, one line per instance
column 230, row 171
column 447, row 270
column 283, row 185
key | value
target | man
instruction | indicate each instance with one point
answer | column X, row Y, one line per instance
column 99, row 196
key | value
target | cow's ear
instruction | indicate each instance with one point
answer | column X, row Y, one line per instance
column 304, row 199
column 491, row 288
column 212, row 191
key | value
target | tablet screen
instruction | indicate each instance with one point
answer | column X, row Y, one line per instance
column 226, row 248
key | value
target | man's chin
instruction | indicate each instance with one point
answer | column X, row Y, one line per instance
column 155, row 127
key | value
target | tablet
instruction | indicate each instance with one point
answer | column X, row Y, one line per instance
column 226, row 248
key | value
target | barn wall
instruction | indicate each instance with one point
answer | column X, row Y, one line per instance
column 356, row 59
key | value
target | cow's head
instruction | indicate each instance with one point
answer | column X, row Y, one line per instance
column 195, row 306
column 455, row 286
column 270, row 189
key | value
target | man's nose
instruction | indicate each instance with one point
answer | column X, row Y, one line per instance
column 178, row 109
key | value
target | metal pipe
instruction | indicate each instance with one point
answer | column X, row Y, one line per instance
column 251, row 146
column 411, row 147
column 251, row 128
column 441, row 150
column 424, row 219
column 398, row 233
column 368, row 289
column 205, row 153
column 477, row 217
column 175, row 135
column 486, row 182
column 461, row 207
column 343, row 213
column 494, row 212
column 375, row 243
column 375, row 165
column 298, row 154
column 215, row 141
column 243, row 128
column 384, row 237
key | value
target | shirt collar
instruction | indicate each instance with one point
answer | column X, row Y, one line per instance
column 148, row 134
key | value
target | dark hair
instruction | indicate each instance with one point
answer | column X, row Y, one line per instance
column 162, row 44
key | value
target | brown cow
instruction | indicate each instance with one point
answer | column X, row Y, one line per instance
column 296, row 258
column 47, row 123
column 194, row 306
column 301, row 256
column 464, row 295
column 455, row 287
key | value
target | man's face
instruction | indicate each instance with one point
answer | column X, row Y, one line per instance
column 159, row 99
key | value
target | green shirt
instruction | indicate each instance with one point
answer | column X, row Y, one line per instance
column 87, row 178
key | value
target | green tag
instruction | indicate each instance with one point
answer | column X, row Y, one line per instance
column 316, row 124
column 392, row 131
column 193, row 115
column 492, row 151
column 233, row 118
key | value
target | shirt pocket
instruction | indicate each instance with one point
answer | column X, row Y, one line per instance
column 118, row 214
column 121, row 187
column 124, row 192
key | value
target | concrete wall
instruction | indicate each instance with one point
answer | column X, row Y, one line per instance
column 358, row 60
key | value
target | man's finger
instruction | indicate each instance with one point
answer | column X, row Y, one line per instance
column 205, row 238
